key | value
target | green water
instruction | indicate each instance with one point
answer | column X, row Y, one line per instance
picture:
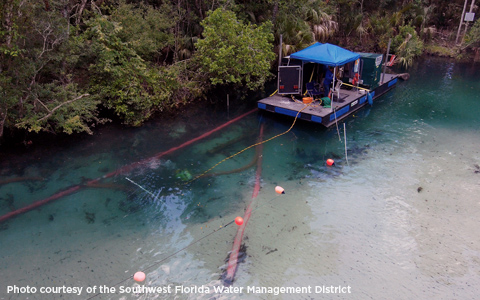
column 398, row 220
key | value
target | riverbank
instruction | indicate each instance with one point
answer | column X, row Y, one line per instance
column 18, row 141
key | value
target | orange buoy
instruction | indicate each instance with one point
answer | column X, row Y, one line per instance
column 330, row 162
column 239, row 221
column 139, row 276
column 279, row 190
column 307, row 100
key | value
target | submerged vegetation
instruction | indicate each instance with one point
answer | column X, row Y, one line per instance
column 69, row 65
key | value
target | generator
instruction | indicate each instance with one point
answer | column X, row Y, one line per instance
column 369, row 66
column 289, row 80
column 371, row 69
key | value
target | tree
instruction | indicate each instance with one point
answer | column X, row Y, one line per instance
column 119, row 77
column 233, row 52
column 37, row 91
column 10, row 37
column 407, row 45
column 146, row 29
column 472, row 39
column 300, row 22
column 380, row 30
column 59, row 108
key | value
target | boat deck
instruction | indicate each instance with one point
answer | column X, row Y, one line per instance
column 349, row 101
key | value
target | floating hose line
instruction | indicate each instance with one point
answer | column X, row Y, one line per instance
column 132, row 166
column 184, row 248
column 228, row 277
column 233, row 258
column 19, row 179
column 169, row 256
column 125, row 169
column 229, row 143
column 107, row 185
column 251, row 146
column 237, row 242
column 245, row 167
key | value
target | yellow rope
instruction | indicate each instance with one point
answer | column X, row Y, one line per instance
column 274, row 93
column 311, row 76
column 355, row 86
column 251, row 146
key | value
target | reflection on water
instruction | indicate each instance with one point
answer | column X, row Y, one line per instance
column 399, row 220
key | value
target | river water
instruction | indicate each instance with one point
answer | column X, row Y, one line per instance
column 397, row 218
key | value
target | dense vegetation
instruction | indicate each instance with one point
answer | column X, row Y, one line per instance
column 68, row 65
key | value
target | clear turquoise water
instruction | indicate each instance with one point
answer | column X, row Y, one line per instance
column 398, row 220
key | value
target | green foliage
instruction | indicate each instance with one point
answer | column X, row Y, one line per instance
column 185, row 82
column 11, row 64
column 8, row 99
column 300, row 22
column 350, row 16
column 146, row 29
column 438, row 50
column 119, row 77
column 296, row 33
column 37, row 93
column 381, row 30
column 447, row 14
column 304, row 22
column 412, row 14
column 139, row 57
column 472, row 39
column 59, row 108
column 407, row 45
column 233, row 52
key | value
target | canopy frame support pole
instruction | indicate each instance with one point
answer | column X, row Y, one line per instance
column 332, row 89
column 385, row 61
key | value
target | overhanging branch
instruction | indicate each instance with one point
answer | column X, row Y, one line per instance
column 62, row 104
column 50, row 112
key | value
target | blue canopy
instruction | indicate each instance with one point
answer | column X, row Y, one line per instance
column 326, row 54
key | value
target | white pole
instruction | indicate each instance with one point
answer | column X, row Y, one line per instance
column 466, row 23
column 336, row 123
column 145, row 190
column 345, row 138
column 461, row 21
column 280, row 51
column 332, row 88
column 471, row 5
column 386, row 60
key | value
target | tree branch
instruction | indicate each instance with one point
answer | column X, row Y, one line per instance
column 80, row 11
column 62, row 104
column 3, row 115
column 50, row 112
column 44, row 106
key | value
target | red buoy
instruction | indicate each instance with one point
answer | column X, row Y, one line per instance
column 139, row 276
column 239, row 221
column 330, row 162
column 279, row 190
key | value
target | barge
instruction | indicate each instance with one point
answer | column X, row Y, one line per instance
column 303, row 92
